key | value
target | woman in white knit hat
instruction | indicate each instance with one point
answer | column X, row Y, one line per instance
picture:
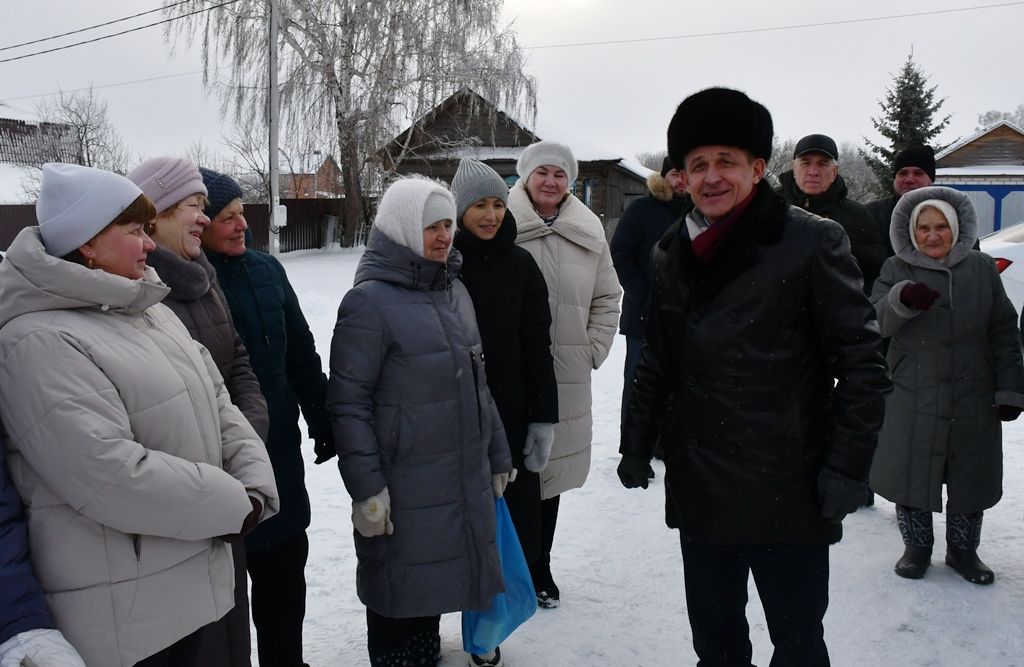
column 955, row 362
column 421, row 447
column 568, row 242
column 135, row 468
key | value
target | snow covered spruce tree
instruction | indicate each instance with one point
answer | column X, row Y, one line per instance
column 363, row 68
column 908, row 117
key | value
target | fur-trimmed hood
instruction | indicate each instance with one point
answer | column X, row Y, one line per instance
column 575, row 221
column 899, row 228
column 659, row 187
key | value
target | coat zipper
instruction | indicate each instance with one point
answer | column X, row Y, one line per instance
column 476, row 391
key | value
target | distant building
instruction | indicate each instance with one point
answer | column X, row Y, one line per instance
column 324, row 183
column 28, row 143
column 467, row 125
column 989, row 168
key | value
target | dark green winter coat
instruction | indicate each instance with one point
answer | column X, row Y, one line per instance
column 283, row 355
column 868, row 248
column 950, row 366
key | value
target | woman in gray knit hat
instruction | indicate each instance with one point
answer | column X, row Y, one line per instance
column 568, row 242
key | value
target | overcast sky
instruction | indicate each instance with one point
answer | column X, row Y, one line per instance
column 824, row 79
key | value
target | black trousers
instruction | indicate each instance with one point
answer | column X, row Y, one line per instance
column 182, row 653
column 540, row 569
column 279, row 601
column 398, row 642
column 792, row 582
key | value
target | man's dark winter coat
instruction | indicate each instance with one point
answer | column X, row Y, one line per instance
column 868, row 248
column 747, row 347
column 283, row 355
column 510, row 298
column 881, row 211
column 641, row 225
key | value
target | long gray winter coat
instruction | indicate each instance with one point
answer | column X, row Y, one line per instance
column 950, row 366
column 411, row 411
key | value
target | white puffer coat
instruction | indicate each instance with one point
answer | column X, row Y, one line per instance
column 127, row 452
column 584, row 295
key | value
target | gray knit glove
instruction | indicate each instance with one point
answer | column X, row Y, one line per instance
column 372, row 517
column 539, row 438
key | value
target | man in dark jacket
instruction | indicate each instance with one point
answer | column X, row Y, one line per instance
column 913, row 168
column 641, row 225
column 756, row 310
column 814, row 184
column 267, row 316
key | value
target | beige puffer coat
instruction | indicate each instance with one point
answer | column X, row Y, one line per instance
column 584, row 295
column 127, row 452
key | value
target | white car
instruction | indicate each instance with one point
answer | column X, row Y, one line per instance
column 1007, row 247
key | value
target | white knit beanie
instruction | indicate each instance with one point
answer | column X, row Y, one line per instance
column 943, row 207
column 547, row 153
column 409, row 206
column 76, row 203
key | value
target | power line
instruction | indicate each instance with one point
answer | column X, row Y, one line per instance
column 774, row 29
column 117, row 34
column 92, row 27
column 106, row 85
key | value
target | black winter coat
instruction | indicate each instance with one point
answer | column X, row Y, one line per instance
column 641, row 226
column 868, row 248
column 747, row 348
column 881, row 211
column 283, row 356
column 510, row 298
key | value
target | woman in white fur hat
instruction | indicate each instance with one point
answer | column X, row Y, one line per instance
column 421, row 447
column 955, row 362
column 568, row 242
column 135, row 468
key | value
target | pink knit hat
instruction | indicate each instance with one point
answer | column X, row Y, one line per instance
column 167, row 180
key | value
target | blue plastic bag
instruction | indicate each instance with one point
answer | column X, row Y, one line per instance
column 482, row 631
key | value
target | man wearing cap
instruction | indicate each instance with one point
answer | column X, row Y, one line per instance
column 267, row 315
column 756, row 311
column 913, row 168
column 641, row 225
column 814, row 184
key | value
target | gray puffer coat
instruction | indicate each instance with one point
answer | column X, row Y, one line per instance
column 950, row 366
column 412, row 412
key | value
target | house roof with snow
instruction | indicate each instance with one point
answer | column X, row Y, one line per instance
column 999, row 145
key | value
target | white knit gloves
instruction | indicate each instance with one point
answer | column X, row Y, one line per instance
column 372, row 517
column 39, row 648
column 539, row 438
column 501, row 480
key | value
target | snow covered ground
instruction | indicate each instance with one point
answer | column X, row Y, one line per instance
column 620, row 571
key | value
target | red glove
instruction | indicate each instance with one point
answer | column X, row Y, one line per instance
column 918, row 296
column 251, row 519
column 1007, row 413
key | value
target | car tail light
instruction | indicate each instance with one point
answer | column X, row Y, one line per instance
column 1002, row 264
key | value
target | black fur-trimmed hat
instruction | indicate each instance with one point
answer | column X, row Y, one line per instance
column 719, row 117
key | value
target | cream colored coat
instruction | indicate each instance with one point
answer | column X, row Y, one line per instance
column 584, row 295
column 127, row 452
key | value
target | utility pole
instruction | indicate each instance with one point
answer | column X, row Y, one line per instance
column 276, row 219
column 316, row 169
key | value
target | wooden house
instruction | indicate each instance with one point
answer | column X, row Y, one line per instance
column 989, row 167
column 323, row 183
column 467, row 125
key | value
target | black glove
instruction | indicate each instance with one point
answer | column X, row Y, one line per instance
column 1007, row 413
column 840, row 494
column 324, row 449
column 634, row 471
column 250, row 522
column 918, row 296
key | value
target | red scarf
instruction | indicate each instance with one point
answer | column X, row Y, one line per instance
column 710, row 240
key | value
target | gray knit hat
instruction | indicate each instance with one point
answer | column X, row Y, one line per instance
column 76, row 203
column 547, row 152
column 167, row 180
column 474, row 181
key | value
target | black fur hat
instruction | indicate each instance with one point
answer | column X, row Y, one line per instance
column 719, row 117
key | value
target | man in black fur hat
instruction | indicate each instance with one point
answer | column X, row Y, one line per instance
column 912, row 168
column 756, row 311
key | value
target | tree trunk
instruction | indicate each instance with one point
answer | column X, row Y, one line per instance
column 351, row 180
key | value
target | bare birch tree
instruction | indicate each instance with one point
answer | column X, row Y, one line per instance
column 361, row 67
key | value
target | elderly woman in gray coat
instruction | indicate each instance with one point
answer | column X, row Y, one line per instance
column 421, row 447
column 955, row 361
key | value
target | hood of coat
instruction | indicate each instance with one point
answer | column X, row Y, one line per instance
column 899, row 229
column 31, row 280
column 392, row 262
column 659, row 187
column 794, row 195
column 473, row 246
column 575, row 221
column 188, row 279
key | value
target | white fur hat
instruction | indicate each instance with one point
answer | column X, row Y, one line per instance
column 75, row 204
column 547, row 152
column 409, row 206
column 943, row 207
